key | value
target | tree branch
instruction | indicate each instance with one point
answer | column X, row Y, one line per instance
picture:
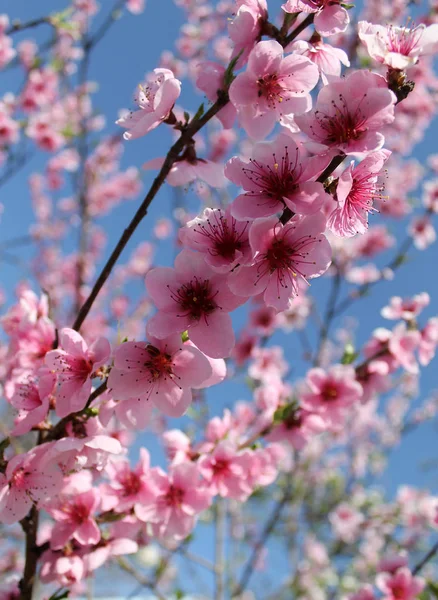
column 169, row 161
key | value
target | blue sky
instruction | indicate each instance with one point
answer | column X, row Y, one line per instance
column 119, row 63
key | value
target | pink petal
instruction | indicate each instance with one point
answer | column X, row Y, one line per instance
column 214, row 335
column 191, row 367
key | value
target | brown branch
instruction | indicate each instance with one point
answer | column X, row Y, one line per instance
column 59, row 429
column 328, row 317
column 169, row 161
column 18, row 26
column 174, row 153
column 301, row 27
column 423, row 562
column 266, row 533
column 30, row 527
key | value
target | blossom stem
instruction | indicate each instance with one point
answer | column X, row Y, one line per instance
column 301, row 27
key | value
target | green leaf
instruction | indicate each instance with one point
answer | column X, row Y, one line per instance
column 347, row 6
column 199, row 112
column 186, row 116
column 185, row 336
column 229, row 75
column 349, row 355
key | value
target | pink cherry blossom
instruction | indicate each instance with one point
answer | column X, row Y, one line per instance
column 407, row 308
column 128, row 486
column 430, row 197
column 29, row 478
column 327, row 58
column 268, row 365
column 155, row 100
column 223, row 241
column 135, row 6
column 402, row 345
column 398, row 47
column 357, row 187
column 7, row 52
column 279, row 174
column 423, row 232
column 428, row 342
column 74, row 454
column 178, row 501
column 346, row 522
column 330, row 393
column 272, row 86
column 330, row 16
column 246, row 27
column 161, row 370
column 73, row 363
column 9, row 129
column 350, row 114
column 401, row 585
column 74, row 519
column 64, row 569
column 226, row 471
column 191, row 296
column 283, row 253
column 297, row 428
column 30, row 394
column 365, row 593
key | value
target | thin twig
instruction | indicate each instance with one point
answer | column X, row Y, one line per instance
column 301, row 27
column 169, row 161
column 142, row 579
column 423, row 562
column 328, row 317
column 220, row 524
column 266, row 533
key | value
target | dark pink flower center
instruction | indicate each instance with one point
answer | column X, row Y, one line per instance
column 225, row 237
column 196, row 299
column 293, row 420
column 398, row 591
column 270, row 88
column 75, row 367
column 342, row 126
column 285, row 258
column 220, row 466
column 330, row 392
column 159, row 363
column 277, row 181
column 18, row 479
column 80, row 513
column 131, row 483
column 174, row 496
